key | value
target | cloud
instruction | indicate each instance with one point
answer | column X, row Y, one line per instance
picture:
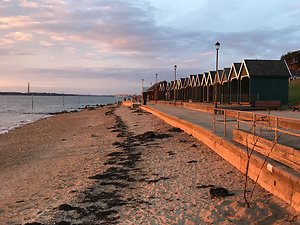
column 126, row 40
column 20, row 36
column 69, row 50
column 13, row 22
column 6, row 42
column 57, row 38
column 28, row 4
column 120, row 27
column 46, row 44
column 52, row 3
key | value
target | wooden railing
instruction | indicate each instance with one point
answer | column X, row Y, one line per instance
column 255, row 120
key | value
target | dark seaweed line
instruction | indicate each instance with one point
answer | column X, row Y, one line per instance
column 99, row 203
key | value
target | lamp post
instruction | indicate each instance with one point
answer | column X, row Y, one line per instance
column 175, row 68
column 217, row 45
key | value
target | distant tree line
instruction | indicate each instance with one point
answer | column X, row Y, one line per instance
column 292, row 59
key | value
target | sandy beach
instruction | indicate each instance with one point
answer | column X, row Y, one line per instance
column 115, row 165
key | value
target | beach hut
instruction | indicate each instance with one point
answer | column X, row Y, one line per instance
column 199, row 88
column 234, row 82
column 217, row 86
column 172, row 90
column 153, row 91
column 162, row 90
column 225, row 85
column 181, row 88
column 196, row 88
column 168, row 91
column 264, row 80
column 192, row 87
column 205, row 87
column 177, row 88
column 185, row 87
column 210, row 81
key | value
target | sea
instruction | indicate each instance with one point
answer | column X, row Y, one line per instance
column 18, row 110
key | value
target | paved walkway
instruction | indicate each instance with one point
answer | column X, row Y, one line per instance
column 204, row 120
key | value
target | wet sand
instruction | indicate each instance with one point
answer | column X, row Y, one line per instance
column 122, row 166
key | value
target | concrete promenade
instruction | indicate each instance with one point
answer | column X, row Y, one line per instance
column 281, row 180
column 204, row 119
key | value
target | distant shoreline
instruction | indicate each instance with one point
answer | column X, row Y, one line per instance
column 51, row 94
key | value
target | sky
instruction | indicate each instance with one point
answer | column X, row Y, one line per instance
column 109, row 46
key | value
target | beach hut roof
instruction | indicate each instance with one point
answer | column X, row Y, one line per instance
column 192, row 80
column 198, row 80
column 177, row 84
column 172, row 85
column 237, row 66
column 167, row 86
column 234, row 71
column 204, row 79
column 217, row 79
column 225, row 74
column 195, row 81
column 186, row 82
column 211, row 77
column 274, row 68
column 181, row 83
column 162, row 85
column 154, row 86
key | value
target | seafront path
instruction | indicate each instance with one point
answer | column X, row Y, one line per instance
column 204, row 119
column 275, row 166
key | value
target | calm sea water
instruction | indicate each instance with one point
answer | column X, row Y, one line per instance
column 17, row 110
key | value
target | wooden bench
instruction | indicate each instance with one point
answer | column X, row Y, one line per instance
column 269, row 104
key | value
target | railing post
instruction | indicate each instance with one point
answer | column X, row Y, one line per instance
column 254, row 122
column 276, row 129
column 238, row 120
column 225, row 123
column 213, row 121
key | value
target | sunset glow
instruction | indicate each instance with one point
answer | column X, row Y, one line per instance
column 108, row 46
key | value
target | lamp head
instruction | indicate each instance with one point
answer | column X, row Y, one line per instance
column 175, row 67
column 217, row 45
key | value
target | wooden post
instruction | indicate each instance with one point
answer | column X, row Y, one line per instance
column 238, row 120
column 253, row 124
column 213, row 121
column 276, row 129
column 225, row 128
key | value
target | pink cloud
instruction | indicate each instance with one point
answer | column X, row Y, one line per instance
column 6, row 42
column 46, row 44
column 57, row 38
column 69, row 50
column 15, row 22
column 20, row 36
column 28, row 4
